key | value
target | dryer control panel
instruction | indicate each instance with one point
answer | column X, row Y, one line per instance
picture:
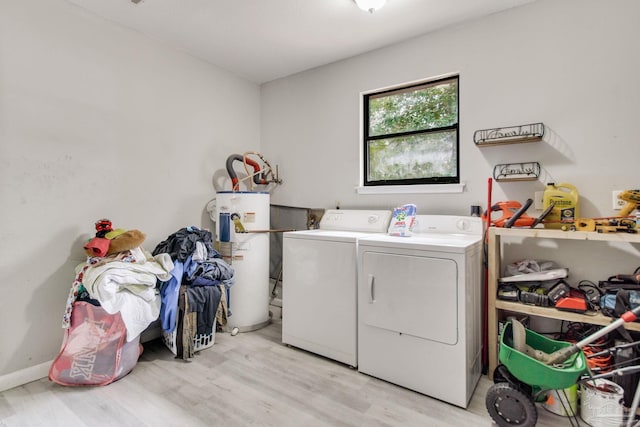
column 448, row 224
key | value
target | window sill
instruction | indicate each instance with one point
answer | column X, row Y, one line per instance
column 411, row 189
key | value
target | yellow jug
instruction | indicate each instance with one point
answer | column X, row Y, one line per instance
column 565, row 204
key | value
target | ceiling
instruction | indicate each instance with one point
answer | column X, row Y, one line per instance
column 262, row 40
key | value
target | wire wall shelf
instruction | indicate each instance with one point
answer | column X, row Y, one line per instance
column 509, row 135
column 527, row 171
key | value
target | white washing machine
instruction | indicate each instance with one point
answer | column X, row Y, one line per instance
column 319, row 282
column 420, row 307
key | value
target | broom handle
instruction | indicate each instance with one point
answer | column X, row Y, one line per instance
column 485, row 311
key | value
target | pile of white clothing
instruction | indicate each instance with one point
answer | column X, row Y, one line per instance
column 126, row 283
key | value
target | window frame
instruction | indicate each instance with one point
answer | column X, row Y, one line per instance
column 430, row 181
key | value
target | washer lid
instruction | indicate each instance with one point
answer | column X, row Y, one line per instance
column 330, row 235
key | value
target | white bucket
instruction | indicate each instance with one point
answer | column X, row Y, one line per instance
column 601, row 403
column 563, row 402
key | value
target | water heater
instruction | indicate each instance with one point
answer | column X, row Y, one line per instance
column 249, row 241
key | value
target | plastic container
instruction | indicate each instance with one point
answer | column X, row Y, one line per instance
column 200, row 341
column 601, row 403
column 565, row 209
column 563, row 402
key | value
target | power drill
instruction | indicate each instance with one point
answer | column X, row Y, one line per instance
column 632, row 198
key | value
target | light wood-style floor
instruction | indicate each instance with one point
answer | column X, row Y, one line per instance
column 251, row 379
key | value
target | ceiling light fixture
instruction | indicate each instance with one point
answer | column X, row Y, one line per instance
column 370, row 5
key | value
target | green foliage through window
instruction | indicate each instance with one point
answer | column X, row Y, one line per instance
column 411, row 134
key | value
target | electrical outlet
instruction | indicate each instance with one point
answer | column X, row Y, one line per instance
column 617, row 204
column 538, row 200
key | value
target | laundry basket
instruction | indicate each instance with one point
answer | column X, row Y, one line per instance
column 200, row 341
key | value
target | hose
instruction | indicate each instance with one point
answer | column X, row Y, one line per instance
column 234, row 177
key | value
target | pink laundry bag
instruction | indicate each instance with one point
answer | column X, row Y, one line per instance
column 94, row 349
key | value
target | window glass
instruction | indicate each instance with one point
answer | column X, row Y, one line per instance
column 411, row 134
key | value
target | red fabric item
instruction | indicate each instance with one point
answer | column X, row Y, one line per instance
column 98, row 246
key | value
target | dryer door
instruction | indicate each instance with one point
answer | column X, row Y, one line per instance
column 408, row 294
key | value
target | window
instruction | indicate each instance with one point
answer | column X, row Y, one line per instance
column 411, row 134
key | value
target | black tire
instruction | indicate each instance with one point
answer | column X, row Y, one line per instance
column 509, row 406
column 502, row 375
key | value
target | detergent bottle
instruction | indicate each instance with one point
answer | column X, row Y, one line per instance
column 565, row 204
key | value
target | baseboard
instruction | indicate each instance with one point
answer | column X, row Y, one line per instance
column 24, row 376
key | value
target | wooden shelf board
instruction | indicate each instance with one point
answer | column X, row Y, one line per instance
column 490, row 143
column 552, row 313
column 533, row 178
column 569, row 235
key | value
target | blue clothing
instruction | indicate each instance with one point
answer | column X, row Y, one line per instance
column 169, row 292
column 210, row 272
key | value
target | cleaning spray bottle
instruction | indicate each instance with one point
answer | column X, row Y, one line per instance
column 565, row 204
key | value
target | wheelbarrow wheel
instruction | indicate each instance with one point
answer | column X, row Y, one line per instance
column 509, row 406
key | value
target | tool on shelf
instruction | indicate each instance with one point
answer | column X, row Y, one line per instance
column 632, row 199
column 610, row 224
column 623, row 222
column 513, row 214
column 544, row 214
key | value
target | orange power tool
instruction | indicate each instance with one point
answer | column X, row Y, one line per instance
column 513, row 214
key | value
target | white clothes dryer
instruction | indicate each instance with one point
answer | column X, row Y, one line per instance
column 319, row 282
column 420, row 307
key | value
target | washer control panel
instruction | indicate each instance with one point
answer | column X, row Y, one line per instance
column 369, row 221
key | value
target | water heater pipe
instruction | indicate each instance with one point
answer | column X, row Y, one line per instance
column 260, row 176
column 245, row 160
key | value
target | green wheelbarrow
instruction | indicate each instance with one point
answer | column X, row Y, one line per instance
column 532, row 364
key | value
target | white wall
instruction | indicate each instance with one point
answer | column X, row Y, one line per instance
column 98, row 121
column 571, row 64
